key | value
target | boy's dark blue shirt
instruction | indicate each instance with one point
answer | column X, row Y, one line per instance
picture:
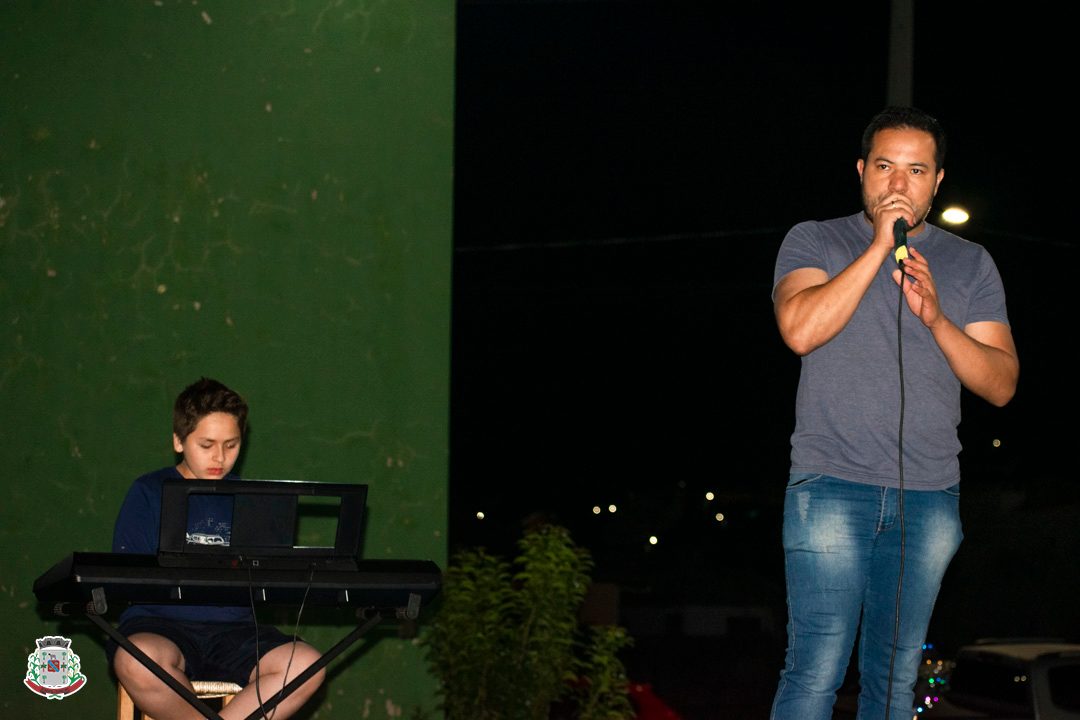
column 137, row 530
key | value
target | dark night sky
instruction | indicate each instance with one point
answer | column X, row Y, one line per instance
column 625, row 172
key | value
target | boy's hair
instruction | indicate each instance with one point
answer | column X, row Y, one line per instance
column 202, row 397
column 894, row 117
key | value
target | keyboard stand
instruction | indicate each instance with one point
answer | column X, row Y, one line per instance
column 377, row 589
column 92, row 612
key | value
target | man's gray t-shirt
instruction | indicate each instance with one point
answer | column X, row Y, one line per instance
column 848, row 404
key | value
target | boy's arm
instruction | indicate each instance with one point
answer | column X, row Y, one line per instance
column 138, row 522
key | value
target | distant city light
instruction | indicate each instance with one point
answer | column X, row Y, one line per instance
column 997, row 442
column 710, row 495
column 955, row 215
column 719, row 517
column 479, row 514
column 596, row 510
column 653, row 540
column 611, row 508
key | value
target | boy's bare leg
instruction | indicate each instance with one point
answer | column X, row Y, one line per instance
column 148, row 692
column 157, row 699
column 272, row 678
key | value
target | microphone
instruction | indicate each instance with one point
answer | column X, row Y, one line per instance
column 900, row 229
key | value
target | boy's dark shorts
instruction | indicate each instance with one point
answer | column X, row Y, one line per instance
column 212, row 651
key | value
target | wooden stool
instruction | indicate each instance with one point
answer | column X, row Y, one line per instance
column 204, row 689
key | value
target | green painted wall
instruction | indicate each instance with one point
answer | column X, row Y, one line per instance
column 253, row 190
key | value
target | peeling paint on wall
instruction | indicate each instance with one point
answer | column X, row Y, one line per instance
column 250, row 190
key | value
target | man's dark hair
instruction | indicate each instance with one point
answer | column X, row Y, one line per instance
column 202, row 397
column 905, row 117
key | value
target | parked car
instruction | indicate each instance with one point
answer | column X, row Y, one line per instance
column 1009, row 679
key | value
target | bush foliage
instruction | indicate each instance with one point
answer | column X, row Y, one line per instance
column 506, row 642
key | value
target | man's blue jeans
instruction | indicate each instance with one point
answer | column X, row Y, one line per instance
column 844, row 547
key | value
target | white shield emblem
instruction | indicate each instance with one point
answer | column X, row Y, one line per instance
column 52, row 671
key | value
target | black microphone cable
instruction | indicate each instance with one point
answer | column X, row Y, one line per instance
column 900, row 232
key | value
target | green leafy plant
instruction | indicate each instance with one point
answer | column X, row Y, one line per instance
column 506, row 642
